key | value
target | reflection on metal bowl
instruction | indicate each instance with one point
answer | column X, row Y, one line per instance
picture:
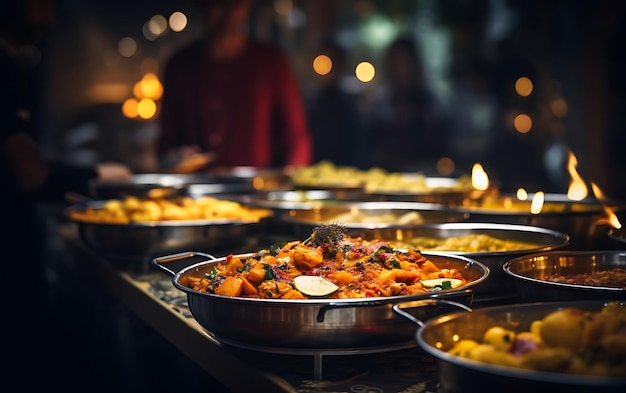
column 143, row 185
column 458, row 374
column 281, row 202
column 531, row 273
column 585, row 221
column 355, row 216
column 498, row 285
column 618, row 236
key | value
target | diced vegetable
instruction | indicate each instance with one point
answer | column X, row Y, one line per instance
column 314, row 286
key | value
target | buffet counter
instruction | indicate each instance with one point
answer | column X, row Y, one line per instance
column 144, row 291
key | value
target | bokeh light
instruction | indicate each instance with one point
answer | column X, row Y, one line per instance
column 146, row 108
column 445, row 166
column 127, row 47
column 522, row 123
column 322, row 64
column 129, row 108
column 559, row 107
column 523, row 86
column 365, row 71
column 157, row 25
column 178, row 21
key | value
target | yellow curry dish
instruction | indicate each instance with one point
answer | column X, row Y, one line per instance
column 137, row 209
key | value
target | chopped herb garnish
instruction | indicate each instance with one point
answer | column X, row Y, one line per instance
column 269, row 274
column 446, row 284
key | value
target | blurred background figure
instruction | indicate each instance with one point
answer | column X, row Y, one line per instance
column 407, row 129
column 230, row 100
column 335, row 120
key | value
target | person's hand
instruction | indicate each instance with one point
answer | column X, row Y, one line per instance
column 187, row 159
column 113, row 171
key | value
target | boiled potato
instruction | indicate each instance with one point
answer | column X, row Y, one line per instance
column 563, row 328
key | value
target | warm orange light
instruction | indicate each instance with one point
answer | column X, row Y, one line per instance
column 536, row 205
column 480, row 180
column 129, row 108
column 523, row 86
column 150, row 87
column 146, row 108
column 577, row 189
column 522, row 195
column 522, row 123
column 611, row 216
column 322, row 64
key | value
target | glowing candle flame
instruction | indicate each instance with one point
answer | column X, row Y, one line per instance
column 612, row 218
column 537, row 202
column 522, row 195
column 480, row 180
column 577, row 190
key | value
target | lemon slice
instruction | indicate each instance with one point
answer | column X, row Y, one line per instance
column 314, row 286
column 439, row 282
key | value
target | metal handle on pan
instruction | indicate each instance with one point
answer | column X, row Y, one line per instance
column 399, row 307
column 174, row 263
column 464, row 294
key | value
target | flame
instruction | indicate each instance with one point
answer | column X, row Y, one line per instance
column 536, row 205
column 480, row 180
column 611, row 216
column 522, row 195
column 577, row 190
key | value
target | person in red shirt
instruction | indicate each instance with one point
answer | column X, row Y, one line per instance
column 232, row 100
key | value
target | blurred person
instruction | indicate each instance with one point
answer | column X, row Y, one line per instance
column 29, row 180
column 230, row 100
column 407, row 131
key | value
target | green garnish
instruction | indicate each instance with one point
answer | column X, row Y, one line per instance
column 269, row 274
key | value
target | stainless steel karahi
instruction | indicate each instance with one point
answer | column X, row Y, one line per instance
column 261, row 179
column 321, row 324
column 356, row 216
column 529, row 273
column 282, row 202
column 585, row 221
column 145, row 184
column 499, row 285
column 457, row 374
column 447, row 191
column 141, row 241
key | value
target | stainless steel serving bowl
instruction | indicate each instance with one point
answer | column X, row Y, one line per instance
column 499, row 285
column 357, row 216
column 139, row 242
column 309, row 324
column 585, row 221
column 447, row 191
column 282, row 202
column 529, row 273
column 145, row 184
column 457, row 374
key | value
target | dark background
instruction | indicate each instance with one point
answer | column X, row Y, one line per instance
column 472, row 52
